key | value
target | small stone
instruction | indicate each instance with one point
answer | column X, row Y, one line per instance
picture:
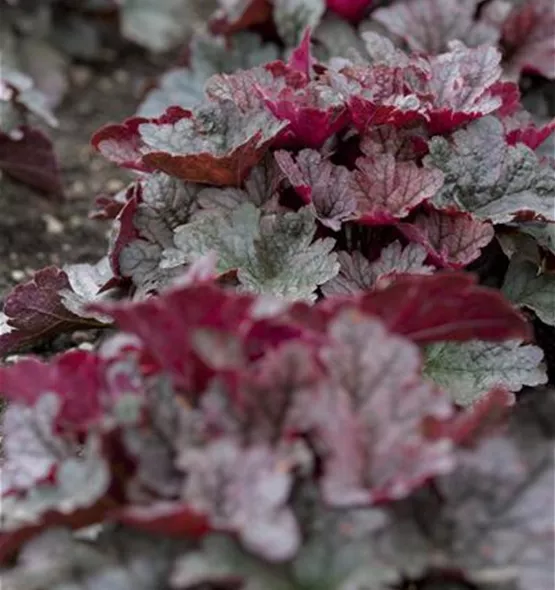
column 78, row 188
column 105, row 85
column 114, row 185
column 81, row 75
column 53, row 225
column 121, row 76
column 97, row 164
column 17, row 275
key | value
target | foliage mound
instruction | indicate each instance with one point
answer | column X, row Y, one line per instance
column 328, row 305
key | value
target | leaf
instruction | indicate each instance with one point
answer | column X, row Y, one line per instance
column 31, row 448
column 261, row 188
column 221, row 560
column 340, row 550
column 451, row 238
column 86, row 283
column 543, row 233
column 492, row 180
column 356, row 273
column 427, row 26
column 457, row 309
column 523, row 130
column 318, row 181
column 387, row 190
column 238, row 15
column 386, row 139
column 35, row 310
column 336, row 38
column 351, row 10
column 371, row 419
column 301, row 58
column 379, row 95
column 165, row 203
column 214, row 144
column 158, row 28
column 462, row 84
column 528, row 38
column 210, row 55
column 78, row 483
column 85, row 385
column 498, row 503
column 273, row 254
column 28, row 155
column 244, row 490
column 487, row 520
column 468, row 370
column 292, row 17
column 165, row 326
column 526, row 287
column 19, row 88
column 115, row 559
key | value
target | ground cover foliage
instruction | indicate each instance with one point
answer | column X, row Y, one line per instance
column 328, row 307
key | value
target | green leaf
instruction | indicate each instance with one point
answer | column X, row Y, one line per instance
column 525, row 287
column 293, row 16
column 467, row 370
column 273, row 254
column 116, row 560
column 221, row 560
column 544, row 233
column 489, row 178
column 158, row 26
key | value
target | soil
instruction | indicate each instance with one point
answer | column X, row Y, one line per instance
column 36, row 231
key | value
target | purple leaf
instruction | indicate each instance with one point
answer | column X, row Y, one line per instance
column 318, row 181
column 452, row 239
column 387, row 190
column 372, row 415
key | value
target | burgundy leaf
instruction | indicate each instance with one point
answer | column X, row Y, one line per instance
column 122, row 144
column 301, row 58
column 35, row 310
column 318, row 181
column 484, row 417
column 463, row 86
column 387, row 190
column 352, row 10
column 28, row 156
column 85, row 385
column 380, row 95
column 166, row 325
column 528, row 134
column 452, row 238
column 172, row 519
column 528, row 38
column 445, row 306
column 314, row 113
column 373, row 414
column 215, row 144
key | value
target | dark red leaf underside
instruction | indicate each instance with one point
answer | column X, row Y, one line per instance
column 28, row 156
column 35, row 311
column 445, row 306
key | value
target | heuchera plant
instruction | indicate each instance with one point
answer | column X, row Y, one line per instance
column 301, row 387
